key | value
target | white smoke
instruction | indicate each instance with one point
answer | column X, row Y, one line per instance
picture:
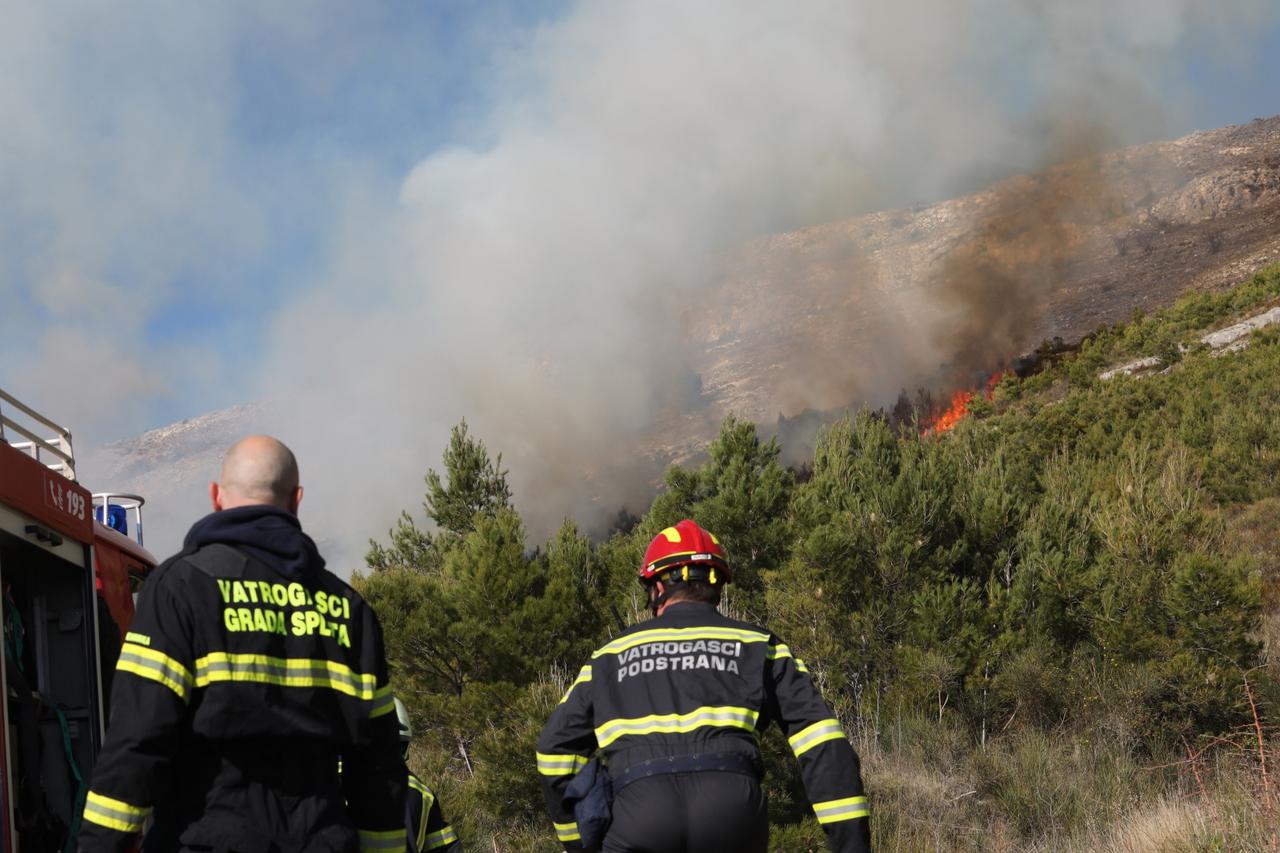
column 543, row 284
column 544, row 276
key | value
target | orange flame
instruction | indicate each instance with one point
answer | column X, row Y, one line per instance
column 954, row 413
column 959, row 407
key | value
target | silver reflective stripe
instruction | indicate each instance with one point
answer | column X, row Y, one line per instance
column 179, row 675
column 156, row 666
column 440, row 839
column 384, row 701
column 427, row 796
column 290, row 672
column 114, row 814
column 655, row 635
column 125, row 821
column 834, row 811
column 301, row 667
column 819, row 732
column 782, row 650
column 583, row 675
column 560, row 765
column 740, row 718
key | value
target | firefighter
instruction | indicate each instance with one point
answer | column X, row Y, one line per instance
column 424, row 821
column 249, row 673
column 675, row 704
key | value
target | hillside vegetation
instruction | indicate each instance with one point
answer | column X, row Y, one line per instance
column 1052, row 628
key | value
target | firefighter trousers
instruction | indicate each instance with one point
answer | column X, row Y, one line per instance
column 704, row 812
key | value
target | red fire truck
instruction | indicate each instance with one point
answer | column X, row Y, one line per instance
column 71, row 563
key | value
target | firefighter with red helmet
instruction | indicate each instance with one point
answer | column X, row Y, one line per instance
column 674, row 706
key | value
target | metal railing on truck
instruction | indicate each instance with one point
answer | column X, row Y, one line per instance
column 54, row 452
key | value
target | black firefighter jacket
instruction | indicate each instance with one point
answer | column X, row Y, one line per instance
column 428, row 831
column 694, row 681
column 249, row 672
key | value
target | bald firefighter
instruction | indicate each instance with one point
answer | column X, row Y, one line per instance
column 428, row 832
column 674, row 706
column 250, row 672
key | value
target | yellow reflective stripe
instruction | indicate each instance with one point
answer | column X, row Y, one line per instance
column 782, row 650
column 285, row 672
column 439, row 838
column 567, row 832
column 114, row 814
column 391, row 839
column 140, row 639
column 728, row 717
column 428, row 799
column 417, row 784
column 423, row 814
column 384, row 702
column 834, row 811
column 560, row 765
column 654, row 635
column 810, row 736
column 156, row 666
column 584, row 675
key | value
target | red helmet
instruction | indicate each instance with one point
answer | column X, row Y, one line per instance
column 686, row 544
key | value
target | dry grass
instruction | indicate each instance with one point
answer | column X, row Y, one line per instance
column 1032, row 792
column 935, row 789
column 1164, row 827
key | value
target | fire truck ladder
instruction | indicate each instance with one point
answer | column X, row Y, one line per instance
column 55, row 452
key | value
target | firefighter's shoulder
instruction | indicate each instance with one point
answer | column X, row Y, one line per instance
column 631, row 633
column 172, row 575
column 340, row 586
column 711, row 626
column 745, row 626
column 242, row 579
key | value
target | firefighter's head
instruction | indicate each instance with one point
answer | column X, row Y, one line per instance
column 258, row 470
column 684, row 563
column 406, row 728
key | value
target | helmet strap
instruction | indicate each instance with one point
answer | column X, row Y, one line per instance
column 657, row 599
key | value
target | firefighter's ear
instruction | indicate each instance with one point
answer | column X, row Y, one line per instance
column 295, row 500
column 215, row 496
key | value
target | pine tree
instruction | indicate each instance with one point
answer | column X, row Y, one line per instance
column 473, row 484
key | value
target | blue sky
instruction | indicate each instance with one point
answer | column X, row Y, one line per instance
column 304, row 107
column 410, row 78
column 1224, row 93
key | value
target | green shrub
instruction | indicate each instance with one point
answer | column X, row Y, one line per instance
column 1023, row 622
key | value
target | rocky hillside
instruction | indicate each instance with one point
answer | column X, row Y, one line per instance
column 171, row 467
column 855, row 311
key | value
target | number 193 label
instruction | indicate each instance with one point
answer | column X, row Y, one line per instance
column 60, row 496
